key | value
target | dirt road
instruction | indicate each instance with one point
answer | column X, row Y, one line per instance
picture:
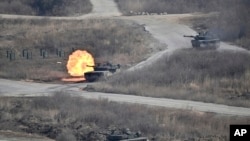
column 104, row 8
column 29, row 89
column 168, row 30
column 15, row 136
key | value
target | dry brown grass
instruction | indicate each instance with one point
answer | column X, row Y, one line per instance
column 169, row 6
column 45, row 8
column 76, row 118
column 231, row 24
column 207, row 76
column 107, row 40
column 236, row 32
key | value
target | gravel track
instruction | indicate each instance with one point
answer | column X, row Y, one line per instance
column 30, row 89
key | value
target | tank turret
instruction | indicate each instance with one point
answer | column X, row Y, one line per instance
column 204, row 40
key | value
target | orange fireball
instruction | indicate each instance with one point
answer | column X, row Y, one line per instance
column 80, row 62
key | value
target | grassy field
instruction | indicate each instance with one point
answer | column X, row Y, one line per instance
column 63, row 117
column 45, row 8
column 207, row 76
column 107, row 40
column 231, row 24
column 202, row 75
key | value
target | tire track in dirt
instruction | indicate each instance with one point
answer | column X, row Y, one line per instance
column 30, row 89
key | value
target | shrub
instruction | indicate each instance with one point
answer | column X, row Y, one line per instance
column 66, row 135
column 20, row 114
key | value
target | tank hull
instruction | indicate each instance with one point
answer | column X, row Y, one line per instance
column 205, row 40
column 206, row 44
column 101, row 72
column 96, row 75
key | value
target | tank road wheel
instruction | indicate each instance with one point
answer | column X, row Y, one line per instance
column 203, row 45
column 93, row 76
column 214, row 45
column 195, row 44
column 217, row 45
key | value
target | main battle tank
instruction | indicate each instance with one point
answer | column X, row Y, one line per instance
column 101, row 71
column 125, row 135
column 205, row 40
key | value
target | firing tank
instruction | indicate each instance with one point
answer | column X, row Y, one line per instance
column 205, row 40
column 101, row 71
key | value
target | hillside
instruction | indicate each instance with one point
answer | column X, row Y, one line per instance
column 165, row 90
column 106, row 40
column 45, row 8
column 231, row 24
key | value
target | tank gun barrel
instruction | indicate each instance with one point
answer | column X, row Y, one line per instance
column 190, row 36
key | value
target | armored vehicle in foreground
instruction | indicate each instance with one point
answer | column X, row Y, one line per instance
column 206, row 40
column 125, row 135
column 101, row 71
